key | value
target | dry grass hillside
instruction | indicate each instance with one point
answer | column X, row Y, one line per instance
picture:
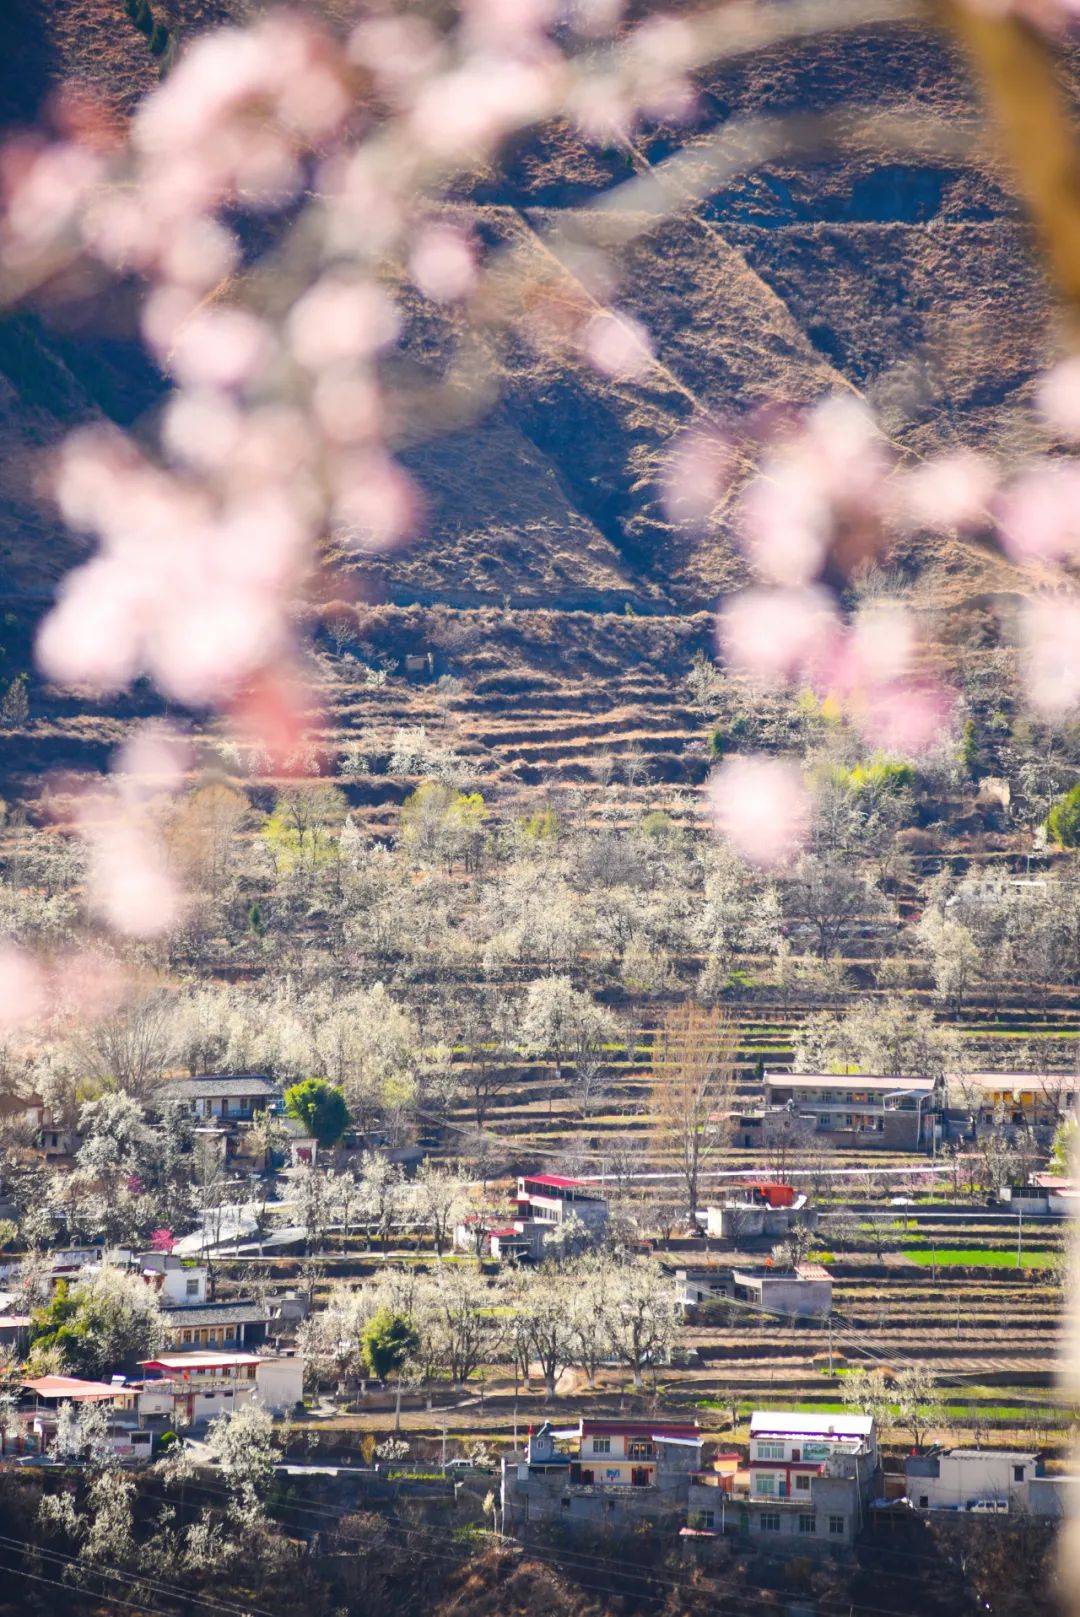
column 905, row 282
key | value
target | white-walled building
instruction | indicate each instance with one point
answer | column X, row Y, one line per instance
column 960, row 1479
column 197, row 1386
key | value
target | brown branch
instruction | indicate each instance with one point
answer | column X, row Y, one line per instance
column 1016, row 67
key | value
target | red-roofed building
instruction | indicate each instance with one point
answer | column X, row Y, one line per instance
column 549, row 1207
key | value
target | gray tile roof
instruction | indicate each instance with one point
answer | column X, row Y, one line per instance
column 228, row 1084
column 237, row 1313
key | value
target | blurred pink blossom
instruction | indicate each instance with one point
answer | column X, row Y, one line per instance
column 129, row 886
column 697, row 474
column 1050, row 628
column 400, row 51
column 823, row 484
column 218, row 347
column 23, row 991
column 949, row 491
column 618, row 345
column 761, row 806
column 1039, row 513
column 375, row 500
column 1058, row 397
column 775, row 635
column 443, row 263
column 339, row 320
column 907, row 718
column 470, row 109
column 154, row 758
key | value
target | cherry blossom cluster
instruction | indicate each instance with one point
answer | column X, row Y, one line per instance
column 830, row 495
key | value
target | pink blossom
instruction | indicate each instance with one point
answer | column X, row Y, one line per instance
column 469, row 110
column 347, row 406
column 784, row 523
column 376, row 501
column 198, row 252
column 275, row 711
column 202, row 427
column 23, row 996
column 1058, row 397
column 603, row 110
column 219, row 348
column 443, row 264
column 128, row 885
column 949, row 492
column 907, row 718
column 881, row 645
column 1050, row 627
column 697, row 474
column 822, row 485
column 1040, row 513
column 400, row 51
column 340, row 320
column 761, row 806
column 618, row 345
column 505, row 25
column 775, row 635
column 92, row 635
column 154, row 758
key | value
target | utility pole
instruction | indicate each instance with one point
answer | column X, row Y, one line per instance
column 1019, row 1236
column 829, row 1322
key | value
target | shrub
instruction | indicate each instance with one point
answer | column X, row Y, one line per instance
column 1063, row 820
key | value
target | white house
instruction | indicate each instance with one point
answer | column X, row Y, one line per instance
column 197, row 1386
column 962, row 1479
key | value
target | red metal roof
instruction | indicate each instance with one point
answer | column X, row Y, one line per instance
column 639, row 1428
column 555, row 1181
column 505, row 1234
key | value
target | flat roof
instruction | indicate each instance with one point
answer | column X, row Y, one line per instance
column 641, row 1428
column 859, row 1080
column 199, row 1361
column 783, row 1422
column 71, row 1387
column 1048, row 1082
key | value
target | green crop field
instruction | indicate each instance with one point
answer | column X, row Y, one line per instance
column 978, row 1257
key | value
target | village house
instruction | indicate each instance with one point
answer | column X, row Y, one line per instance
column 190, row 1387
column 191, row 1319
column 37, row 1415
column 1013, row 1100
column 1045, row 1195
column 549, row 1209
column 802, row 1292
column 224, row 1097
column 756, row 1211
column 602, row 1473
column 978, row 1480
column 808, row 1484
column 863, row 1112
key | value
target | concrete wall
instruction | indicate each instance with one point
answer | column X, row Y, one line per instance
column 279, row 1383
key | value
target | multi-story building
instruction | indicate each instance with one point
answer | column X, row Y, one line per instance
column 549, row 1209
column 808, row 1483
column 197, row 1386
column 602, row 1473
column 865, row 1112
column 1015, row 1100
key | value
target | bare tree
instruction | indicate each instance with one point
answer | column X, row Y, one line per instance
column 693, row 1074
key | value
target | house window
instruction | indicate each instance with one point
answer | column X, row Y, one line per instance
column 802, row 1482
column 924, row 1501
column 192, row 1288
column 566, row 1501
column 601, row 1445
column 836, row 1526
column 770, row 1451
column 765, row 1483
column 769, row 1521
column 807, row 1524
column 704, row 1519
column 639, row 1450
column 185, row 1336
column 1018, row 1473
